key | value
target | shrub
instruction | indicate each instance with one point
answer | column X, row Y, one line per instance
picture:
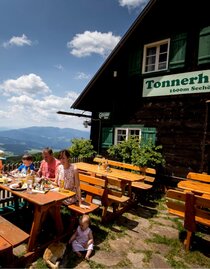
column 81, row 148
column 145, row 154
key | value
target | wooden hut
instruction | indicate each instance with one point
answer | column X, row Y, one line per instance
column 156, row 83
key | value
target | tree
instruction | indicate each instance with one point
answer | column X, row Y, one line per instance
column 81, row 148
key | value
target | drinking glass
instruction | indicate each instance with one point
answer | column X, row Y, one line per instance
column 37, row 183
column 61, row 185
column 29, row 185
column 5, row 179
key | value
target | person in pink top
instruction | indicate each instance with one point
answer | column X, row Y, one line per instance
column 49, row 165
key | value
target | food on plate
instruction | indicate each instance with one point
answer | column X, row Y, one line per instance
column 48, row 186
column 18, row 186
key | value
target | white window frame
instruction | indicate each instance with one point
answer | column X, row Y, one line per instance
column 157, row 45
column 127, row 129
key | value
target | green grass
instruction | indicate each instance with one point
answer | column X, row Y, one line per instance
column 177, row 256
column 40, row 264
column 148, row 255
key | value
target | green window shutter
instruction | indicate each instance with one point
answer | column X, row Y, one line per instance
column 134, row 65
column 204, row 46
column 178, row 51
column 148, row 134
column 106, row 137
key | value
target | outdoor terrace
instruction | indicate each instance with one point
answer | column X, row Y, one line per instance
column 145, row 236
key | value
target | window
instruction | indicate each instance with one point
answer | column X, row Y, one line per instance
column 156, row 56
column 122, row 134
column 116, row 134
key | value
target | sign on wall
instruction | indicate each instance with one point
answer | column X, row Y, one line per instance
column 104, row 115
column 183, row 83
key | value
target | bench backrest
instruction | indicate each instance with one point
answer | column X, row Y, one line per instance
column 114, row 186
column 191, row 207
column 199, row 177
column 125, row 165
column 92, row 186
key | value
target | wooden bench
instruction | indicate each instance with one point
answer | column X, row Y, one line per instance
column 106, row 189
column 91, row 187
column 116, row 197
column 5, row 252
column 192, row 208
column 198, row 176
column 10, row 237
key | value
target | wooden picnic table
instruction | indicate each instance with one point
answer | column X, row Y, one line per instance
column 195, row 186
column 125, row 176
column 51, row 200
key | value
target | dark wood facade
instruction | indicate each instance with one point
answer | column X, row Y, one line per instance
column 181, row 121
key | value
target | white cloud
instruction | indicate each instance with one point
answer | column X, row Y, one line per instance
column 82, row 76
column 22, row 105
column 27, row 84
column 131, row 4
column 19, row 41
column 30, row 111
column 87, row 43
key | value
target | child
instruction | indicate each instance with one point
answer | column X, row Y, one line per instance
column 82, row 239
column 27, row 163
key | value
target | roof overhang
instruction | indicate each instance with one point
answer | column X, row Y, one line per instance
column 74, row 114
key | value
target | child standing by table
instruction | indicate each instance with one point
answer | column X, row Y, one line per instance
column 82, row 239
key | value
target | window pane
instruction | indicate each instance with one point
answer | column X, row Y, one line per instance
column 121, row 135
column 162, row 57
column 150, row 60
column 163, row 48
column 162, row 66
column 135, row 133
column 150, row 68
column 151, row 51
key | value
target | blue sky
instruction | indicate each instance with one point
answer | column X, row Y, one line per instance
column 50, row 50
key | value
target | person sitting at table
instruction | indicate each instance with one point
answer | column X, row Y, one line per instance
column 69, row 173
column 49, row 165
column 26, row 165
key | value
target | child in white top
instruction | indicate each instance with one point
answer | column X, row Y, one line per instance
column 82, row 239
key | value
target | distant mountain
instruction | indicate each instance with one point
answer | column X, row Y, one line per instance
column 18, row 141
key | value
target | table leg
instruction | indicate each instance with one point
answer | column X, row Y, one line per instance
column 58, row 218
column 129, row 188
column 38, row 212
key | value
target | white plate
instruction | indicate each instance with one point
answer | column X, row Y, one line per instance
column 3, row 178
column 19, row 175
column 14, row 187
